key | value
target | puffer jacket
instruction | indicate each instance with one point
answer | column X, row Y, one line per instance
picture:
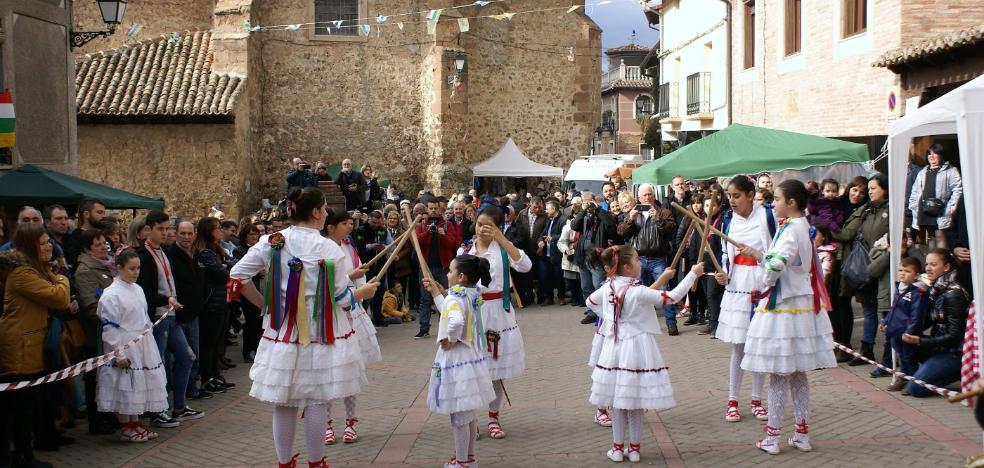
column 949, row 188
column 92, row 277
column 870, row 221
column 947, row 318
column 28, row 296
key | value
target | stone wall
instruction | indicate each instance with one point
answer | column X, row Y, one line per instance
column 190, row 165
column 156, row 16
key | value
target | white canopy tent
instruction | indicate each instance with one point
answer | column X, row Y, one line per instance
column 509, row 161
column 960, row 111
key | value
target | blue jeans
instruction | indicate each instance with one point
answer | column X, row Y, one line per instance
column 652, row 267
column 591, row 279
column 907, row 355
column 170, row 337
column 427, row 300
column 940, row 369
column 191, row 334
column 870, row 328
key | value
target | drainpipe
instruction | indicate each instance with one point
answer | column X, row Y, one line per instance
column 728, row 77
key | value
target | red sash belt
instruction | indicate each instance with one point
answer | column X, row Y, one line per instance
column 492, row 296
column 745, row 260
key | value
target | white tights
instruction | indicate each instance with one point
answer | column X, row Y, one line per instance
column 464, row 428
column 285, row 424
column 620, row 418
column 736, row 374
column 799, row 386
column 500, row 391
column 349, row 408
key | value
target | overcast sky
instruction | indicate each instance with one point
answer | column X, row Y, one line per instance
column 617, row 20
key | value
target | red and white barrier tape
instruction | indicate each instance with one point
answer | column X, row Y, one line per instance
column 82, row 367
column 934, row 388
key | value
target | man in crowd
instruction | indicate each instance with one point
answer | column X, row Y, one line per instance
column 765, row 181
column 596, row 229
column 651, row 229
column 548, row 271
column 26, row 215
column 681, row 196
column 608, row 191
column 438, row 244
column 229, row 241
column 370, row 239
column 462, row 224
column 300, row 175
column 531, row 222
column 188, row 281
column 91, row 215
column 157, row 281
column 56, row 222
column 276, row 225
column 353, row 186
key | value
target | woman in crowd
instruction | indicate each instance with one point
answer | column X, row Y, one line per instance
column 566, row 242
column 400, row 271
column 854, row 200
column 934, row 198
column 862, row 228
column 214, row 320
column 136, row 232
column 304, row 361
column 249, row 235
column 944, row 326
column 31, row 289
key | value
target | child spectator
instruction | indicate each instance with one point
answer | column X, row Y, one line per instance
column 763, row 196
column 394, row 309
column 910, row 306
column 827, row 252
column 827, row 209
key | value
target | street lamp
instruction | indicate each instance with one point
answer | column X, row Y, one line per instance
column 459, row 66
column 112, row 14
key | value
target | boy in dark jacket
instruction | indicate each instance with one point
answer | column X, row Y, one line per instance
column 910, row 307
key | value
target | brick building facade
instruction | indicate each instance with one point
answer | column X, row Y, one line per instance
column 393, row 99
column 626, row 103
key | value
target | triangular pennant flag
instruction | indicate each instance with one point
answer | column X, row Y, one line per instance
column 481, row 3
column 503, row 16
column 7, row 135
column 434, row 15
column 338, row 23
column 400, row 25
column 432, row 27
column 134, row 29
column 293, row 27
column 381, row 19
column 463, row 24
column 575, row 7
column 365, row 28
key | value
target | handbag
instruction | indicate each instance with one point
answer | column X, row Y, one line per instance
column 854, row 270
column 932, row 207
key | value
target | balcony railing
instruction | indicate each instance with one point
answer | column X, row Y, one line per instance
column 668, row 98
column 623, row 72
column 699, row 93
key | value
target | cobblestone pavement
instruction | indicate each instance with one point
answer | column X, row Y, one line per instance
column 855, row 423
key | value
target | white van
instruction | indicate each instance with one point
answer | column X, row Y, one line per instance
column 588, row 172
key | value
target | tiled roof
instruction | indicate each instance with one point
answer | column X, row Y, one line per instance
column 936, row 45
column 630, row 84
column 166, row 76
column 627, row 48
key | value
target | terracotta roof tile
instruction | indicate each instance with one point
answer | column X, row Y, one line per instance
column 165, row 76
column 631, row 84
column 936, row 45
column 628, row 48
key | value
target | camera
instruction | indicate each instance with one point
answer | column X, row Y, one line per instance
column 305, row 167
column 433, row 227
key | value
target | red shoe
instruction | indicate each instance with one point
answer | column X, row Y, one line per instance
column 350, row 435
column 495, row 429
column 329, row 434
column 290, row 464
column 319, row 464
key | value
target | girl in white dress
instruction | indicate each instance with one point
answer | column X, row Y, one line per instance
column 340, row 226
column 308, row 355
column 748, row 223
column 790, row 333
column 629, row 373
column 504, row 343
column 460, row 382
column 133, row 384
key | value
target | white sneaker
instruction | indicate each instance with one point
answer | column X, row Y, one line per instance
column 801, row 438
column 616, row 455
column 770, row 443
column 602, row 418
column 759, row 411
column 732, row 414
column 634, row 455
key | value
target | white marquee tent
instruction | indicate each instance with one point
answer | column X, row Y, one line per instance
column 509, row 161
column 959, row 112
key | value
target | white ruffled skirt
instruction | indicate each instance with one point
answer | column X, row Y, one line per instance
column 365, row 334
column 596, row 343
column 790, row 338
column 736, row 305
column 511, row 360
column 459, row 381
column 630, row 374
column 290, row 374
column 138, row 389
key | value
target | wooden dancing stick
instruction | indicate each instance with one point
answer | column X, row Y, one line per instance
column 683, row 245
column 382, row 253
column 965, row 395
column 424, row 270
column 700, row 222
column 403, row 240
column 710, row 251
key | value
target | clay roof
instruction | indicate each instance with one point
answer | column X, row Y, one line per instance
column 627, row 48
column 629, row 84
column 936, row 45
column 166, row 76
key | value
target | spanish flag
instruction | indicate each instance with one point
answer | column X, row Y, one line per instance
column 6, row 120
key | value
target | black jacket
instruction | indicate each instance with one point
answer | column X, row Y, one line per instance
column 216, row 275
column 354, row 199
column 188, row 282
column 653, row 236
column 597, row 230
column 947, row 319
column 554, row 233
column 147, row 280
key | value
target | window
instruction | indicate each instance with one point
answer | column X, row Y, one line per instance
column 794, row 26
column 749, row 46
column 326, row 11
column 611, row 147
column 854, row 17
column 645, row 152
column 643, row 105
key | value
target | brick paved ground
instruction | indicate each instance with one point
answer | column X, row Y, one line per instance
column 855, row 423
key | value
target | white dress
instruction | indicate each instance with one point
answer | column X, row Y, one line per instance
column 459, row 378
column 743, row 274
column 365, row 331
column 792, row 336
column 286, row 372
column 140, row 387
column 629, row 372
column 510, row 360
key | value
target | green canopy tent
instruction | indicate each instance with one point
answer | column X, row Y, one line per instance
column 334, row 169
column 30, row 184
column 743, row 149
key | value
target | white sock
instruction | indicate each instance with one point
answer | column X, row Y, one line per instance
column 736, row 372
column 758, row 381
column 315, row 421
column 462, row 435
column 284, row 427
column 499, row 393
column 619, row 419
